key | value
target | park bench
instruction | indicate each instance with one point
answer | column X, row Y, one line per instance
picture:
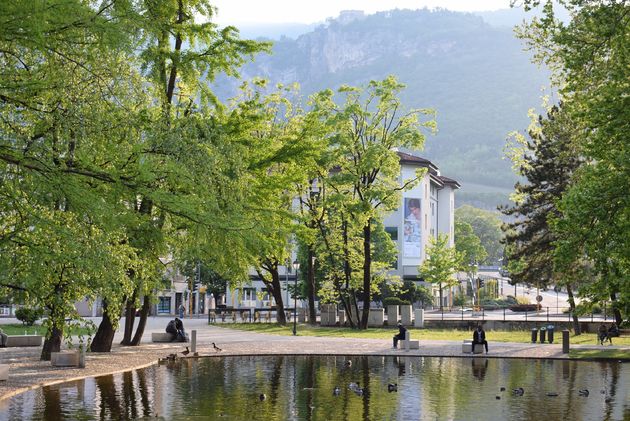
column 24, row 340
column 467, row 347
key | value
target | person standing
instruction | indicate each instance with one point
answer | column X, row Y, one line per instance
column 181, row 310
column 402, row 332
column 479, row 337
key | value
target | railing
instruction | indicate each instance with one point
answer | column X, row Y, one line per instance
column 504, row 313
column 246, row 315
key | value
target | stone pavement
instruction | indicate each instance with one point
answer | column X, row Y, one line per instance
column 27, row 371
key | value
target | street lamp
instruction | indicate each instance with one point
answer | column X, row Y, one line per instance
column 296, row 266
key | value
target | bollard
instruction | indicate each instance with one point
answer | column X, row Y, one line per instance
column 81, row 356
column 407, row 339
column 565, row 341
column 193, row 341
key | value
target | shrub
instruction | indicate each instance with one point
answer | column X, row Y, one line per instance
column 523, row 300
column 394, row 301
column 28, row 316
column 460, row 300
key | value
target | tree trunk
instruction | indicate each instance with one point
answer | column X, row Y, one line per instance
column 615, row 309
column 104, row 336
column 367, row 276
column 276, row 291
column 130, row 317
column 144, row 313
column 52, row 343
column 441, row 298
column 310, row 287
column 576, row 321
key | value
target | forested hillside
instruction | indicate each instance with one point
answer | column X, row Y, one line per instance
column 476, row 76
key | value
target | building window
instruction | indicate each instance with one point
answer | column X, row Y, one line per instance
column 393, row 232
column 164, row 305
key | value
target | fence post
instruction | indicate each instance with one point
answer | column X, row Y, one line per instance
column 525, row 315
column 503, row 313
column 483, row 313
column 442, row 310
column 462, row 313
column 592, row 316
column 604, row 310
column 547, row 313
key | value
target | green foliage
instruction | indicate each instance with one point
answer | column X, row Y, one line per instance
column 460, row 300
column 394, row 301
column 441, row 263
column 28, row 315
column 486, row 226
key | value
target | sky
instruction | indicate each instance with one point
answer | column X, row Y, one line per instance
column 233, row 12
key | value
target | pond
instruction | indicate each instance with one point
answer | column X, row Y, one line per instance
column 304, row 388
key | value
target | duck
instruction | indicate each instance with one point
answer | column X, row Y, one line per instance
column 216, row 348
column 348, row 363
column 336, row 391
column 497, row 397
column 502, row 389
column 519, row 391
column 262, row 396
column 583, row 392
column 392, row 387
column 353, row 386
column 186, row 351
column 552, row 394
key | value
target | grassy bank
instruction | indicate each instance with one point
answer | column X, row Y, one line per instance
column 608, row 354
column 519, row 336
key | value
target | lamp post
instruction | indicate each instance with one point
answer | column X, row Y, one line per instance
column 296, row 266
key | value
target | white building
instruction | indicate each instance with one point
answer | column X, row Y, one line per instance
column 410, row 226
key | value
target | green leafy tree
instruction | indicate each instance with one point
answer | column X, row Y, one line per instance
column 365, row 133
column 587, row 55
column 486, row 226
column 441, row 264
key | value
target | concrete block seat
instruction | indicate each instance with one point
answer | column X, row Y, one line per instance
column 4, row 371
column 412, row 344
column 65, row 359
column 163, row 337
column 467, row 347
column 24, row 340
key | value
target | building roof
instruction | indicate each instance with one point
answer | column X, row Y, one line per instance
column 434, row 172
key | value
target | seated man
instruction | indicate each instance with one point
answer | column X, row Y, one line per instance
column 602, row 334
column 176, row 329
column 479, row 337
column 401, row 334
column 3, row 339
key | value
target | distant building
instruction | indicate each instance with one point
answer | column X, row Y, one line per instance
column 425, row 211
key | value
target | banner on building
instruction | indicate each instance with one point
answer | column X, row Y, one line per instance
column 412, row 228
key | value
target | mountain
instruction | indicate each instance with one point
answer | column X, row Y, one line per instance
column 475, row 75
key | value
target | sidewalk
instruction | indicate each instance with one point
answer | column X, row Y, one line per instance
column 27, row 371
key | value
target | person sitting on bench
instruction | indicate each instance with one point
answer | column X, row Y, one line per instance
column 401, row 334
column 479, row 337
column 602, row 334
column 176, row 329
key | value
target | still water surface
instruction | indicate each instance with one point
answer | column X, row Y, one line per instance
column 303, row 388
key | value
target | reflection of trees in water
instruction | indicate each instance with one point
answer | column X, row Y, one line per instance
column 110, row 407
column 52, row 403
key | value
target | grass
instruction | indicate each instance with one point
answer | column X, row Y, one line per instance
column 20, row 329
column 609, row 354
column 518, row 336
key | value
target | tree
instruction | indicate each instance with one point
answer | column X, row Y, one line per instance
column 469, row 248
column 548, row 161
column 486, row 226
column 365, row 133
column 441, row 264
column 591, row 67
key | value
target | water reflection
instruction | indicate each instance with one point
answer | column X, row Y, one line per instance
column 280, row 388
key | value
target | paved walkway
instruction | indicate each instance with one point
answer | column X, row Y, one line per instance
column 27, row 371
